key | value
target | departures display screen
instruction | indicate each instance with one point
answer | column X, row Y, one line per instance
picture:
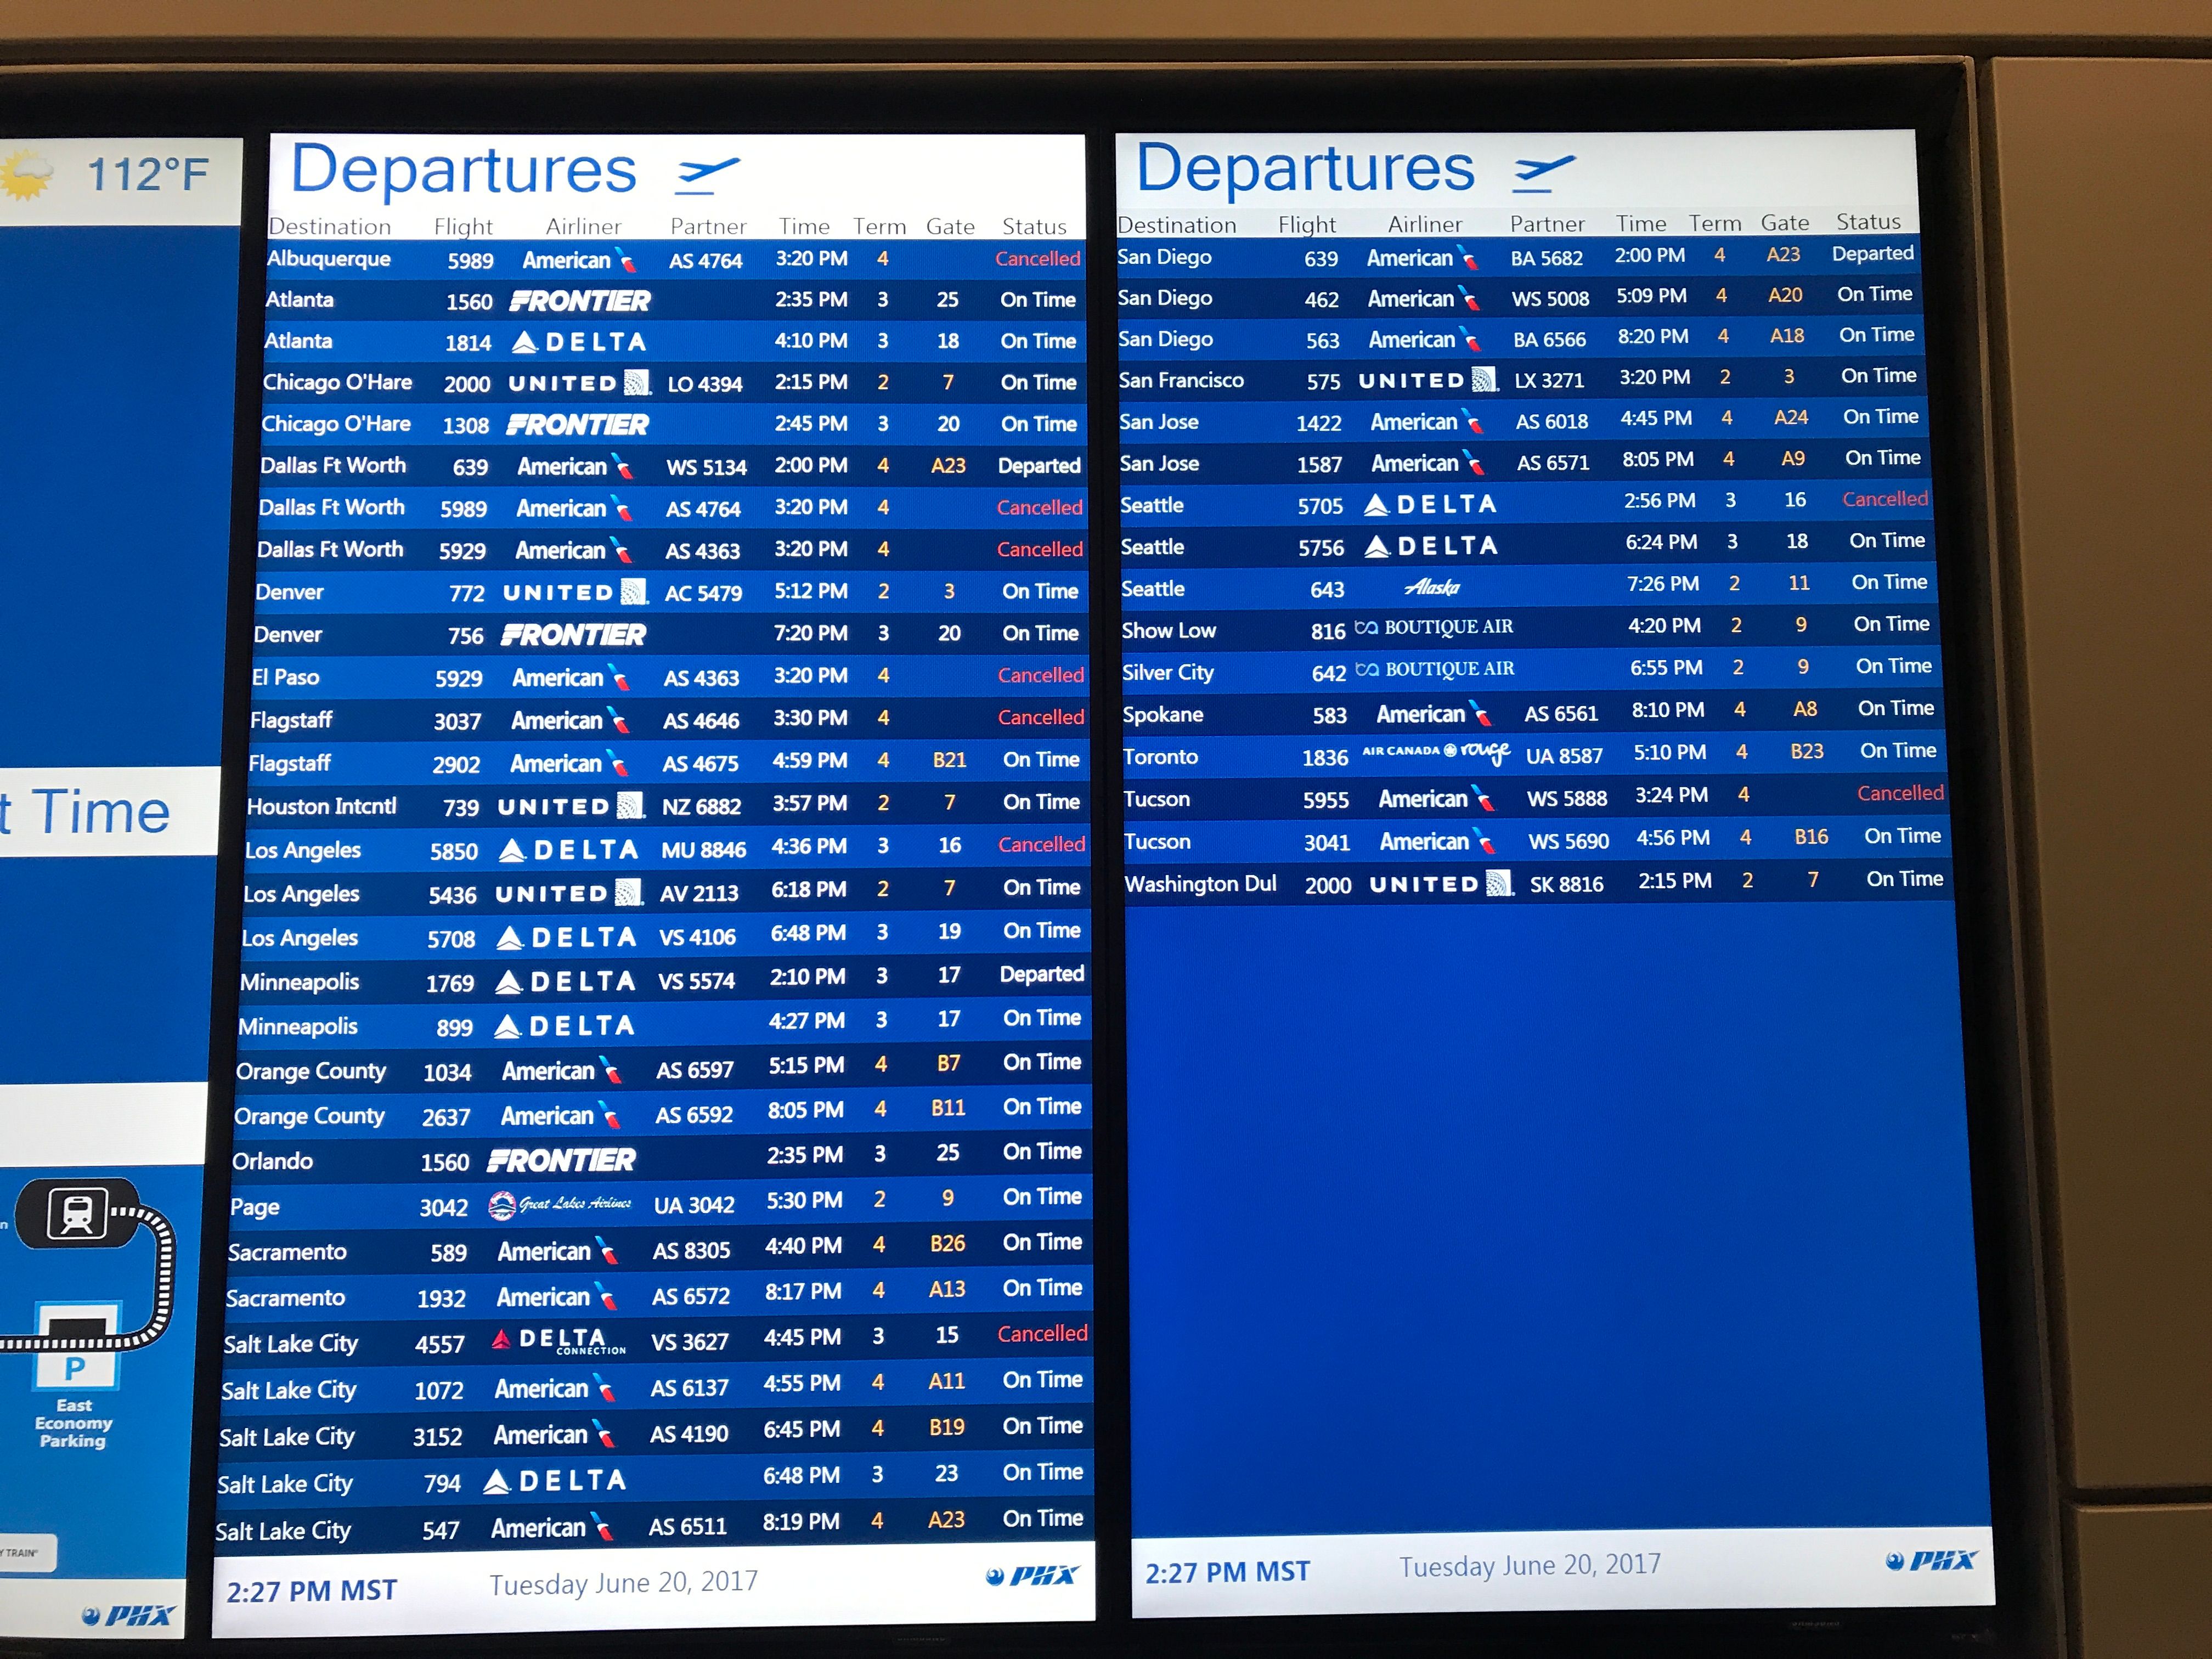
column 750, row 1100
column 1548, row 1170
column 662, row 1193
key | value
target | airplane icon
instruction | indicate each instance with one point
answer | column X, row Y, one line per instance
column 1532, row 170
column 695, row 170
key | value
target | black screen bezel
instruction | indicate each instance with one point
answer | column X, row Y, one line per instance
column 1933, row 97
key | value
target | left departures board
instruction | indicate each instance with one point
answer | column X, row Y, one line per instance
column 120, row 259
column 662, row 1185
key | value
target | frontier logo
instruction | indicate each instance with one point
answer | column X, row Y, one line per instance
column 1934, row 1560
column 562, row 1160
column 568, row 635
column 1034, row 1576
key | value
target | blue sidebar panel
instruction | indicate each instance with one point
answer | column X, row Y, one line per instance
column 120, row 261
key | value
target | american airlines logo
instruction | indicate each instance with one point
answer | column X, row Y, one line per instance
column 560, row 1160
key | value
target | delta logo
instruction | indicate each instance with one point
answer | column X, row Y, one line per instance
column 1933, row 1560
column 135, row 1614
column 1034, row 1577
column 23, row 177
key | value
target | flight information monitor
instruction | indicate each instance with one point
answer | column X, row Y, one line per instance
column 1548, row 1155
column 663, row 1183
column 119, row 260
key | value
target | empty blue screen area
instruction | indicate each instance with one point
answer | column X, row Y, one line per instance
column 115, row 402
column 1566, row 1217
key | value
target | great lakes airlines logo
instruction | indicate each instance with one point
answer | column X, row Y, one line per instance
column 25, row 174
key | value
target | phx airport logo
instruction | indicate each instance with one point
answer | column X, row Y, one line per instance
column 130, row 1613
column 1933, row 1560
column 1035, row 1578
column 25, row 174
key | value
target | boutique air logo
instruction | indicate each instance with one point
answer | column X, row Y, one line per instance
column 26, row 174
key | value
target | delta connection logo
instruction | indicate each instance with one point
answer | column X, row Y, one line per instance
column 23, row 175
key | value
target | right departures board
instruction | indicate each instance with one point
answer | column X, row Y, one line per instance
column 1548, row 1169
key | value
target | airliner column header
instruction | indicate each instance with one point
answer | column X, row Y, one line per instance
column 371, row 187
column 1544, row 183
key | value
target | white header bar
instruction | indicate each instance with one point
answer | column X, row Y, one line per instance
column 120, row 181
column 101, row 1126
column 54, row 1609
column 110, row 812
column 513, row 1591
column 1541, row 183
column 1355, row 1573
column 374, row 187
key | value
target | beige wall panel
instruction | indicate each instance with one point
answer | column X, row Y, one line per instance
column 2105, row 185
column 2146, row 1583
column 1883, row 24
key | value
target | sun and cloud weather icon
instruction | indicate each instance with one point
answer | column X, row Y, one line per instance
column 25, row 174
